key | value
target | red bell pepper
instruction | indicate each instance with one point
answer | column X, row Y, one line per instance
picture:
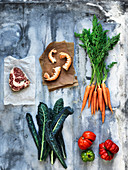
column 85, row 141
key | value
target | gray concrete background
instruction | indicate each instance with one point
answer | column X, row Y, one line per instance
column 26, row 28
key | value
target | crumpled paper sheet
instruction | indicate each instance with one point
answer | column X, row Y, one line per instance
column 66, row 78
column 25, row 96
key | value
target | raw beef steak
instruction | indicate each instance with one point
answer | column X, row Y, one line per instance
column 18, row 80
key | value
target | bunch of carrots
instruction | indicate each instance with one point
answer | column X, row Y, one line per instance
column 97, row 44
column 98, row 97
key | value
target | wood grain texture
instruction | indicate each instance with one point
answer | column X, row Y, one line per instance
column 26, row 29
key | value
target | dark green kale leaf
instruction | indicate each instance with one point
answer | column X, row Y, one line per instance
column 58, row 106
column 53, row 144
column 57, row 123
column 33, row 130
column 43, row 118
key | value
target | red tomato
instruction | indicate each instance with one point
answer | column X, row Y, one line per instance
column 89, row 135
column 85, row 141
column 104, row 154
column 111, row 146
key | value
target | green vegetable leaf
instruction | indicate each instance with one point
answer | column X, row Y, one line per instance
column 77, row 35
column 111, row 65
column 43, row 117
column 60, row 141
column 97, row 45
column 58, row 106
column 53, row 144
column 57, row 109
column 33, row 130
column 60, row 118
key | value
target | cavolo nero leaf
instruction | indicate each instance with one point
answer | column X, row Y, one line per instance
column 47, row 142
column 40, row 131
column 40, row 125
column 58, row 106
column 54, row 145
column 61, row 143
column 51, row 135
column 33, row 130
column 52, row 154
column 60, row 118
column 43, row 117
column 52, row 114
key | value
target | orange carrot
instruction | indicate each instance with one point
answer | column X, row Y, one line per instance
column 108, row 97
column 92, row 104
column 100, row 98
column 103, row 112
column 97, row 107
column 104, row 92
column 86, row 93
column 94, row 96
column 90, row 94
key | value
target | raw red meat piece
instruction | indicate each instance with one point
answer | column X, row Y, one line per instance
column 18, row 79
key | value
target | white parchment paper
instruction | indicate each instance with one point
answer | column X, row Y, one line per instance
column 25, row 96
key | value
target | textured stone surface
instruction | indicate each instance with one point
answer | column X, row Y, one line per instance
column 27, row 27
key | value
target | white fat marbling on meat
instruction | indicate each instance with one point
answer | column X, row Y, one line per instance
column 21, row 82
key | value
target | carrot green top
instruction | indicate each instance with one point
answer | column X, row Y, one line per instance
column 97, row 45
